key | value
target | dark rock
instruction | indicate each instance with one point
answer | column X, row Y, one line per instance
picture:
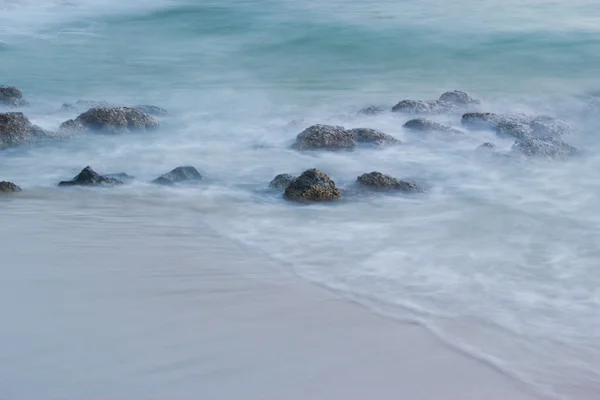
column 324, row 137
column 15, row 129
column 111, row 120
column 487, row 146
column 458, row 98
column 8, row 187
column 379, row 181
column 11, row 97
column 152, row 110
column 425, row 125
column 428, row 107
column 478, row 120
column 312, row 185
column 372, row 137
column 515, row 129
column 549, row 147
column 281, row 181
column 179, row 175
column 372, row 110
column 89, row 177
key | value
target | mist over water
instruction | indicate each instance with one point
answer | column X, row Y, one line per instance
column 499, row 258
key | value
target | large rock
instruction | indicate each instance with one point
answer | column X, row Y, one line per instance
column 89, row 177
column 372, row 137
column 111, row 120
column 152, row 110
column 517, row 126
column 425, row 125
column 179, row 175
column 425, row 107
column 11, row 97
column 312, row 185
column 458, row 98
column 8, row 187
column 15, row 129
column 281, row 181
column 379, row 181
column 549, row 147
column 324, row 137
column 481, row 120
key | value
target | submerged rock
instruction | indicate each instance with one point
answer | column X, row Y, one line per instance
column 11, row 97
column 281, row 181
column 425, row 125
column 549, row 147
column 312, row 185
column 372, row 110
column 179, row 175
column 378, row 181
column 15, row 129
column 487, row 146
column 516, row 125
column 458, row 98
column 372, row 137
column 83, row 105
column 9, row 187
column 152, row 110
column 324, row 137
column 111, row 120
column 122, row 176
column 428, row 107
column 89, row 177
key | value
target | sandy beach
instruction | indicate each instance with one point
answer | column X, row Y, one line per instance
column 130, row 310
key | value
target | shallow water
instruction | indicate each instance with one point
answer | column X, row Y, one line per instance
column 499, row 258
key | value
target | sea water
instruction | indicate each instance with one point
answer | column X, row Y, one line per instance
column 500, row 258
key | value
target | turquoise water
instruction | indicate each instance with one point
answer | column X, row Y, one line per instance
column 500, row 259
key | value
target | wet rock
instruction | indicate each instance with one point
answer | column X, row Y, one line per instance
column 547, row 126
column 15, row 129
column 458, row 98
column 8, row 187
column 549, row 147
column 372, row 110
column 427, row 107
column 281, row 181
column 379, row 181
column 111, row 120
column 89, row 177
column 324, row 137
column 11, row 97
column 487, row 146
column 179, row 175
column 152, row 110
column 479, row 120
column 372, row 137
column 425, row 125
column 312, row 185
column 515, row 129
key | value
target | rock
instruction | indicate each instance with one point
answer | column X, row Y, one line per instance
column 372, row 110
column 15, row 129
column 111, row 120
column 373, row 137
column 458, row 98
column 487, row 146
column 516, row 125
column 547, row 126
column 549, row 147
column 429, row 107
column 425, row 125
column 379, row 181
column 324, row 137
column 281, row 181
column 11, row 97
column 152, row 110
column 179, row 175
column 478, row 120
column 312, row 185
column 8, row 187
column 89, row 177
column 83, row 105
column 515, row 129
column 121, row 176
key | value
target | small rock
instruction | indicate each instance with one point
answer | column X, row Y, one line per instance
column 372, row 110
column 121, row 176
column 11, row 97
column 312, row 185
column 487, row 146
column 425, row 125
column 379, row 181
column 15, row 129
column 111, row 120
column 478, row 120
column 152, row 110
column 373, row 137
column 324, row 137
column 429, row 107
column 8, row 187
column 458, row 98
column 281, row 181
column 89, row 177
column 549, row 147
column 179, row 175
